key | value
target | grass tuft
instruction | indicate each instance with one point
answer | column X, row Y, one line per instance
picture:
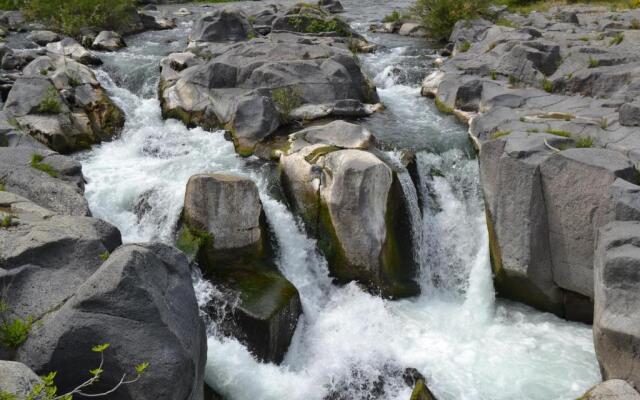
column 36, row 162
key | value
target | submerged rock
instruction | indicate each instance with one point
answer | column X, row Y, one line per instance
column 224, row 229
column 142, row 302
column 616, row 328
column 351, row 202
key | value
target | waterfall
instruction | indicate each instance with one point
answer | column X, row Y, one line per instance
column 468, row 345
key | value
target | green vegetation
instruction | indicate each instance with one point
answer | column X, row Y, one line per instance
column 191, row 240
column 465, row 46
column 558, row 132
column 6, row 221
column 393, row 17
column 547, row 85
column 69, row 16
column 50, row 104
column 104, row 256
column 13, row 331
column 617, row 39
column 502, row 21
column 443, row 108
column 47, row 390
column 593, row 63
column 635, row 24
column 527, row 6
column 604, row 123
column 499, row 134
column 287, row 99
column 513, row 81
column 584, row 142
column 36, row 162
column 493, row 74
column 439, row 16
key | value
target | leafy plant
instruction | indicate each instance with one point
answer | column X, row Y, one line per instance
column 287, row 99
column 36, row 162
column 13, row 332
column 439, row 16
column 50, row 104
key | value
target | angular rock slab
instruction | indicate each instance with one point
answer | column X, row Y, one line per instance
column 576, row 193
column 142, row 302
column 616, row 327
column 17, row 378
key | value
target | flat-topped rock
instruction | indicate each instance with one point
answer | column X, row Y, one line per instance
column 613, row 389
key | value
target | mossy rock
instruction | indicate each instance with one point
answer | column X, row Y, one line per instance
column 421, row 391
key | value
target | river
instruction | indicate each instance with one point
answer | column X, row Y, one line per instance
column 468, row 345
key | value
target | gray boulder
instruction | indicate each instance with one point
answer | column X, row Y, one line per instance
column 142, row 302
column 17, row 378
column 224, row 25
column 45, row 257
column 613, row 389
column 224, row 228
column 351, row 201
column 626, row 196
column 55, row 182
column 228, row 209
column 108, row 41
column 43, row 38
column 332, row 6
column 630, row 114
column 575, row 215
column 616, row 328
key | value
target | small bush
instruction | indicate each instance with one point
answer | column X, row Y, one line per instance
column 287, row 99
column 439, row 16
column 393, row 17
column 36, row 162
column 15, row 332
column 465, row 46
column 50, row 104
column 547, row 85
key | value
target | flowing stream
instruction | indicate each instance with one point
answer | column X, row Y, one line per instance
column 348, row 344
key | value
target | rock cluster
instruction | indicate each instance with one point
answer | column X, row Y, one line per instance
column 550, row 99
column 252, row 85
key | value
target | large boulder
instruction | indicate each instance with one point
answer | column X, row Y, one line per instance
column 17, row 379
column 68, row 47
column 224, row 25
column 224, row 228
column 252, row 88
column 574, row 216
column 613, row 389
column 353, row 202
column 616, row 328
column 630, row 114
column 47, row 178
column 142, row 302
column 59, row 102
column 45, row 257
column 227, row 209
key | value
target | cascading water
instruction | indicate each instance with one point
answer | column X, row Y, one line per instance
column 467, row 344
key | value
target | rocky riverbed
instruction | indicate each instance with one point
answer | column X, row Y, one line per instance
column 261, row 205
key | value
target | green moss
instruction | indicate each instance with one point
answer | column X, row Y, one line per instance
column 190, row 241
column 558, row 132
column 36, row 163
column 499, row 134
column 443, row 108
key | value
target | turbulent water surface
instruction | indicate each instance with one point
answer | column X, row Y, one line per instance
column 467, row 344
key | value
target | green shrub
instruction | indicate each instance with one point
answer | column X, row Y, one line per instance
column 287, row 99
column 439, row 16
column 10, row 5
column 584, row 142
column 50, row 104
column 547, row 85
column 6, row 221
column 15, row 332
column 36, row 162
column 465, row 46
column 69, row 16
column 393, row 17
